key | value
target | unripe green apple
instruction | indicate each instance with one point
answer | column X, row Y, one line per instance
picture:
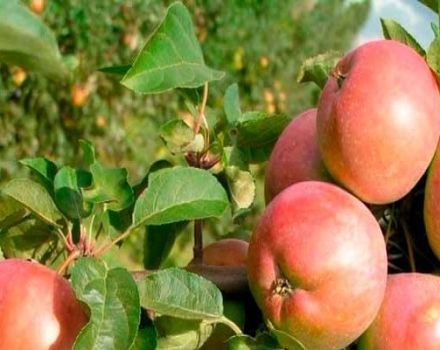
column 317, row 265
column 379, row 121
column 38, row 308
column 295, row 156
column 409, row 318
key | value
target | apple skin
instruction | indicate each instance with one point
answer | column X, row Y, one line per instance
column 295, row 156
column 379, row 123
column 409, row 318
column 38, row 308
column 317, row 265
column 431, row 206
column 226, row 252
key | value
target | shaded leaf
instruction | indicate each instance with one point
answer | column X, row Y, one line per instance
column 287, row 341
column 432, row 4
column 117, row 70
column 89, row 154
column 26, row 41
column 232, row 104
column 181, row 334
column 433, row 56
column 178, row 293
column 68, row 194
column 11, row 212
column 146, row 338
column 393, row 30
column 35, row 198
column 110, row 186
column 179, row 137
column 178, row 194
column 317, row 69
column 171, row 58
column 158, row 242
column 43, row 168
column 114, row 304
column 241, row 186
column 1, row 255
column 264, row 341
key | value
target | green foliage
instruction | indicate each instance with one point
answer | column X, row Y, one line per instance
column 317, row 69
column 263, row 341
column 393, row 30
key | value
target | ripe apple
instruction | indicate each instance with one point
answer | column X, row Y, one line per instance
column 226, row 252
column 295, row 157
column 38, row 6
column 379, row 121
column 79, row 95
column 409, row 318
column 38, row 308
column 431, row 209
column 317, row 265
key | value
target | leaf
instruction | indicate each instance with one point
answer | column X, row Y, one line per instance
column 89, row 154
column 1, row 255
column 394, row 31
column 256, row 129
column 178, row 194
column 317, row 69
column 109, row 186
column 171, row 58
column 241, row 186
column 287, row 341
column 181, row 334
column 114, row 304
column 35, row 198
column 26, row 41
column 68, row 194
column 232, row 104
column 117, row 70
column 179, row 137
column 435, row 29
column 11, row 212
column 178, row 293
column 432, row 4
column 146, row 338
column 43, row 168
column 155, row 166
column 264, row 341
column 433, row 56
column 158, row 242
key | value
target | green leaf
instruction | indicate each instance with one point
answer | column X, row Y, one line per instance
column 89, row 154
column 394, row 31
column 146, row 338
column 317, row 69
column 264, row 341
column 241, row 186
column 68, row 196
column 11, row 212
column 232, row 104
column 435, row 29
column 178, row 194
column 178, row 293
column 155, row 166
column 433, row 56
column 181, row 334
column 43, row 168
column 287, row 341
column 26, row 41
column 117, row 70
column 1, row 255
column 159, row 241
column 256, row 129
column 179, row 137
column 114, row 304
column 171, row 58
column 35, row 198
column 432, row 4
column 109, row 186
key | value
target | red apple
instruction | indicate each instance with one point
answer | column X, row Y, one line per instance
column 295, row 157
column 317, row 265
column 379, row 120
column 226, row 252
column 409, row 318
column 38, row 308
column 431, row 210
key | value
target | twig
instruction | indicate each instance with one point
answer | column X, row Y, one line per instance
column 101, row 250
column 201, row 116
column 71, row 257
column 198, row 242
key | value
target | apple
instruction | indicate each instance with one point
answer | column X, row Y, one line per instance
column 79, row 95
column 317, row 265
column 431, row 207
column 295, row 156
column 38, row 6
column 409, row 318
column 379, row 121
column 226, row 252
column 38, row 308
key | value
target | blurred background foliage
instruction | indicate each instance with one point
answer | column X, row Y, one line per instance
column 259, row 43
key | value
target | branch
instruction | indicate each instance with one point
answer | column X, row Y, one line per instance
column 229, row 279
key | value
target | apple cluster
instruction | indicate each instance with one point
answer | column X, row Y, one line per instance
column 317, row 261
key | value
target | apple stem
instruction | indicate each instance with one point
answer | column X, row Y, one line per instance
column 226, row 321
column 198, row 242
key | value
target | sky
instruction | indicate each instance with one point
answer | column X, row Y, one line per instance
column 415, row 17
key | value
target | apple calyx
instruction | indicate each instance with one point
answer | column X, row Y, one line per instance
column 339, row 76
column 282, row 287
